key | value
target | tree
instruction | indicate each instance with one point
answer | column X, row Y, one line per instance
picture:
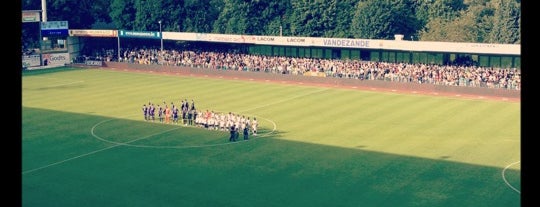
column 233, row 18
column 266, row 17
column 313, row 18
column 147, row 15
column 493, row 21
column 100, row 10
column 344, row 15
column 254, row 17
column 382, row 19
column 199, row 16
column 506, row 22
column 77, row 13
column 122, row 13
column 448, row 20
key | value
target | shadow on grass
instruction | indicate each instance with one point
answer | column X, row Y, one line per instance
column 75, row 167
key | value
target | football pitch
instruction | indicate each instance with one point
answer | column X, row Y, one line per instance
column 85, row 143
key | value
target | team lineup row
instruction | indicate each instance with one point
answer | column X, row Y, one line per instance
column 188, row 115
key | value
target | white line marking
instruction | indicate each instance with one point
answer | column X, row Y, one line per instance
column 176, row 147
column 504, row 178
column 93, row 152
column 56, row 163
column 127, row 143
column 40, row 77
column 65, row 84
column 60, row 79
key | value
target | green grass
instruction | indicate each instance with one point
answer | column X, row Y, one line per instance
column 84, row 143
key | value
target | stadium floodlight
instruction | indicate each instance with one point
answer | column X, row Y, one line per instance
column 161, row 35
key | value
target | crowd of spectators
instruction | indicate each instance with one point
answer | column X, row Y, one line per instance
column 456, row 75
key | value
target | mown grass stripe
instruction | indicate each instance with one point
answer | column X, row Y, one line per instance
column 351, row 147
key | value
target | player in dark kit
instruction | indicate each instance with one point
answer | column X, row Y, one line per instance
column 190, row 116
column 175, row 115
column 236, row 133
column 233, row 134
column 145, row 112
column 246, row 132
column 152, row 112
column 160, row 113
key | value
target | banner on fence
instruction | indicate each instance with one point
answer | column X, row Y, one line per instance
column 94, row 63
column 30, row 60
column 55, row 59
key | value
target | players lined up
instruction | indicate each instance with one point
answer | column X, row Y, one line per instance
column 189, row 115
column 224, row 122
column 170, row 115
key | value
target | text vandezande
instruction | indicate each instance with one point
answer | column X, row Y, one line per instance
column 346, row 43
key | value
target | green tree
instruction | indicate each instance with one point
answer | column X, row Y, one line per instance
column 382, row 19
column 147, row 15
column 446, row 20
column 233, row 18
column 344, row 15
column 172, row 15
column 482, row 19
column 100, row 10
column 493, row 21
column 462, row 29
column 506, row 22
column 445, row 9
column 316, row 18
column 266, row 17
column 77, row 13
column 144, row 15
column 122, row 13
column 199, row 15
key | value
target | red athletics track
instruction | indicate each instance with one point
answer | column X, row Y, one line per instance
column 154, row 69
